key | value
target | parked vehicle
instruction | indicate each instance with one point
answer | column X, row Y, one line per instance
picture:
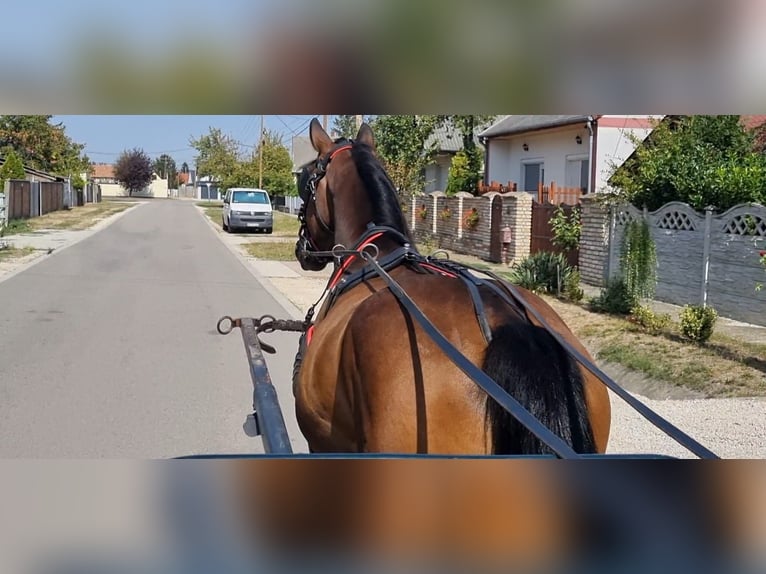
column 247, row 208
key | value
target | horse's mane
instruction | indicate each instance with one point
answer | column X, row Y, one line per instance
column 380, row 189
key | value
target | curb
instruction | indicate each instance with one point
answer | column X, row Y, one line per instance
column 280, row 297
column 86, row 233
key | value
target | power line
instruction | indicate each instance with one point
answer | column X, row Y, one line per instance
column 169, row 151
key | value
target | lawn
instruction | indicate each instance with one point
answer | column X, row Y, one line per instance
column 77, row 218
column 271, row 251
column 10, row 253
column 722, row 367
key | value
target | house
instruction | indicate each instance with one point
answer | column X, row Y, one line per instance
column 209, row 188
column 447, row 141
column 103, row 174
column 574, row 151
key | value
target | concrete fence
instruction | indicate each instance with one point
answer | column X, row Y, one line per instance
column 702, row 258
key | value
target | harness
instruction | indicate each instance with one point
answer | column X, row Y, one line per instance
column 365, row 249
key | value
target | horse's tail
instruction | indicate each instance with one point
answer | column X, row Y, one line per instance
column 537, row 371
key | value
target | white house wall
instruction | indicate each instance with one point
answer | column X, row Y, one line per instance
column 615, row 145
column 553, row 148
column 158, row 188
column 437, row 174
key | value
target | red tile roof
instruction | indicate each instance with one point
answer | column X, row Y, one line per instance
column 751, row 122
column 103, row 170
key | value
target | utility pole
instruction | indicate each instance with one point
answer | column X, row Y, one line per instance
column 324, row 122
column 359, row 121
column 260, row 158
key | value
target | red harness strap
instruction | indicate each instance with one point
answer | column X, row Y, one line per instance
column 339, row 273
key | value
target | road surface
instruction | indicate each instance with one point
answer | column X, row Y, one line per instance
column 109, row 349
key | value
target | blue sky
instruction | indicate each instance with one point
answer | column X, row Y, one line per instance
column 105, row 137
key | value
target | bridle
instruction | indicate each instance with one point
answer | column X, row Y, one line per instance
column 307, row 189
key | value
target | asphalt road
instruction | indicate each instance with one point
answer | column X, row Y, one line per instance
column 109, row 348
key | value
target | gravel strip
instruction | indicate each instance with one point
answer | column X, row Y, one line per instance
column 731, row 428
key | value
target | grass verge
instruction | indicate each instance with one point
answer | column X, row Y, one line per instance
column 724, row 367
column 75, row 219
column 271, row 251
column 11, row 253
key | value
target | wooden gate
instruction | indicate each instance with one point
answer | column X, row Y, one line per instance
column 542, row 233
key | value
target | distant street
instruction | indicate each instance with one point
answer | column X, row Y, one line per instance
column 109, row 349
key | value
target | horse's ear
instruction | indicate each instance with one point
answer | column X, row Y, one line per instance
column 319, row 138
column 365, row 135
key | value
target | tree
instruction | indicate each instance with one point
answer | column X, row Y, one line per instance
column 133, row 170
column 459, row 174
column 42, row 145
column 165, row 167
column 13, row 168
column 467, row 126
column 218, row 154
column 184, row 167
column 345, row 127
column 700, row 160
column 277, row 168
column 401, row 144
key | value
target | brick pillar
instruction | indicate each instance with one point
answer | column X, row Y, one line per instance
column 517, row 214
column 594, row 242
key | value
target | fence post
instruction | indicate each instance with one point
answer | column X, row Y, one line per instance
column 610, row 265
column 412, row 215
column 4, row 204
column 460, row 217
column 434, row 214
column 706, row 254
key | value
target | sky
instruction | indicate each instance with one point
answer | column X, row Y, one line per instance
column 105, row 137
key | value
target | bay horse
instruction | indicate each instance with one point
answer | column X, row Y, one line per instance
column 369, row 379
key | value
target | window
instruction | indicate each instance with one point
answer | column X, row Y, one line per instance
column 534, row 175
column 578, row 172
column 250, row 197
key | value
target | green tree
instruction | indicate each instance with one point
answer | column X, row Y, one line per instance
column 133, row 170
column 467, row 126
column 345, row 126
column 459, row 174
column 42, row 145
column 699, row 160
column 277, row 177
column 12, row 168
column 165, row 167
column 77, row 182
column 217, row 155
column 401, row 144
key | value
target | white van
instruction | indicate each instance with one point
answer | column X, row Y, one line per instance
column 247, row 208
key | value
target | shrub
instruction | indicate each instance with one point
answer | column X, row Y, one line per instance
column 566, row 229
column 615, row 298
column 572, row 289
column 638, row 259
column 648, row 320
column 697, row 322
column 544, row 272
